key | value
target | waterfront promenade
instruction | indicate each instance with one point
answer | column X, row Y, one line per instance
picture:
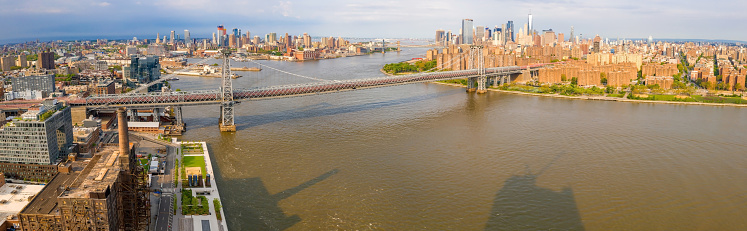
column 208, row 222
column 602, row 98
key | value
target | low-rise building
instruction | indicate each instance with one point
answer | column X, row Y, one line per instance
column 86, row 138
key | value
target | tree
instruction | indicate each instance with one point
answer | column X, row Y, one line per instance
column 563, row 77
column 574, row 81
column 706, row 85
column 609, row 90
column 604, row 80
column 739, row 87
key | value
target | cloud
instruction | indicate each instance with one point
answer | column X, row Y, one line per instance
column 385, row 18
column 285, row 8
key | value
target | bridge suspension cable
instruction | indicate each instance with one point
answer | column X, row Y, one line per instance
column 289, row 73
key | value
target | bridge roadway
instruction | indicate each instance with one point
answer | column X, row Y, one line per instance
column 213, row 96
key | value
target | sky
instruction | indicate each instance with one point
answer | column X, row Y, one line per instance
column 72, row 19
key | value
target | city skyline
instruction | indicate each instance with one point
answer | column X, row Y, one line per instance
column 29, row 20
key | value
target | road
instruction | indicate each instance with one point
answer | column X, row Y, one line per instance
column 164, row 183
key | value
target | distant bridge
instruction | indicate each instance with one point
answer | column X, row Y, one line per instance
column 226, row 96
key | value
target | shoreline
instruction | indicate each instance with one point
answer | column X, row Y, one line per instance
column 601, row 98
column 212, row 192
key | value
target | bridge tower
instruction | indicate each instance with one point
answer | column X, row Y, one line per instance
column 226, row 90
column 477, row 61
column 383, row 46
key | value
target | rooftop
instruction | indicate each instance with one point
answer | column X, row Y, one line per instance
column 13, row 197
column 46, row 201
column 87, row 175
column 97, row 176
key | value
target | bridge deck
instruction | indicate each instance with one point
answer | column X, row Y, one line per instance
column 213, row 97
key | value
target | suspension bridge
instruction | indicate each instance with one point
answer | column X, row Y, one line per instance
column 227, row 96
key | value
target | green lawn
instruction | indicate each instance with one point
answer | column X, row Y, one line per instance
column 718, row 99
column 195, row 161
column 615, row 95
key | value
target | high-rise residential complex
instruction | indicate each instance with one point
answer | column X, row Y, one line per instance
column 187, row 39
column 22, row 62
column 143, row 70
column 173, row 35
column 271, row 38
column 45, row 61
column 467, row 32
column 39, row 136
column 44, row 83
column 130, row 50
column 7, row 62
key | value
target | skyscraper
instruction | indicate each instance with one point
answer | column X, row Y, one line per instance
column 187, row 39
column 467, row 31
column 173, row 35
column 237, row 35
column 158, row 37
column 504, row 34
column 479, row 33
column 221, row 36
column 440, row 36
column 143, row 70
column 510, row 32
column 531, row 25
column 570, row 39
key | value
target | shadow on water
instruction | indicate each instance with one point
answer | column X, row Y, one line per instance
column 522, row 205
column 323, row 109
column 258, row 209
column 320, row 109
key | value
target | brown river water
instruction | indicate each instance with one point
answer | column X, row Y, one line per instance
column 433, row 157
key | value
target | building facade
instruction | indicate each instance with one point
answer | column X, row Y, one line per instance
column 467, row 31
column 143, row 70
column 45, row 61
column 44, row 83
column 39, row 137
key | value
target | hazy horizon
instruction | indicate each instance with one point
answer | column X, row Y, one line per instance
column 686, row 20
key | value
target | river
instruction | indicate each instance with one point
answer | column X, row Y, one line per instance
column 432, row 157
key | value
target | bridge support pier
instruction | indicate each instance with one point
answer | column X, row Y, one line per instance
column 471, row 84
column 481, row 83
column 226, row 102
column 133, row 115
column 156, row 115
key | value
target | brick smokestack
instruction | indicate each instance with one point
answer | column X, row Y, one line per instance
column 124, row 140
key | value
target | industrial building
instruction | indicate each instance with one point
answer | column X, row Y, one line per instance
column 106, row 191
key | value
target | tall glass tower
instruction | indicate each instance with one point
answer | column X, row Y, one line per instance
column 187, row 40
column 531, row 26
column 467, row 31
